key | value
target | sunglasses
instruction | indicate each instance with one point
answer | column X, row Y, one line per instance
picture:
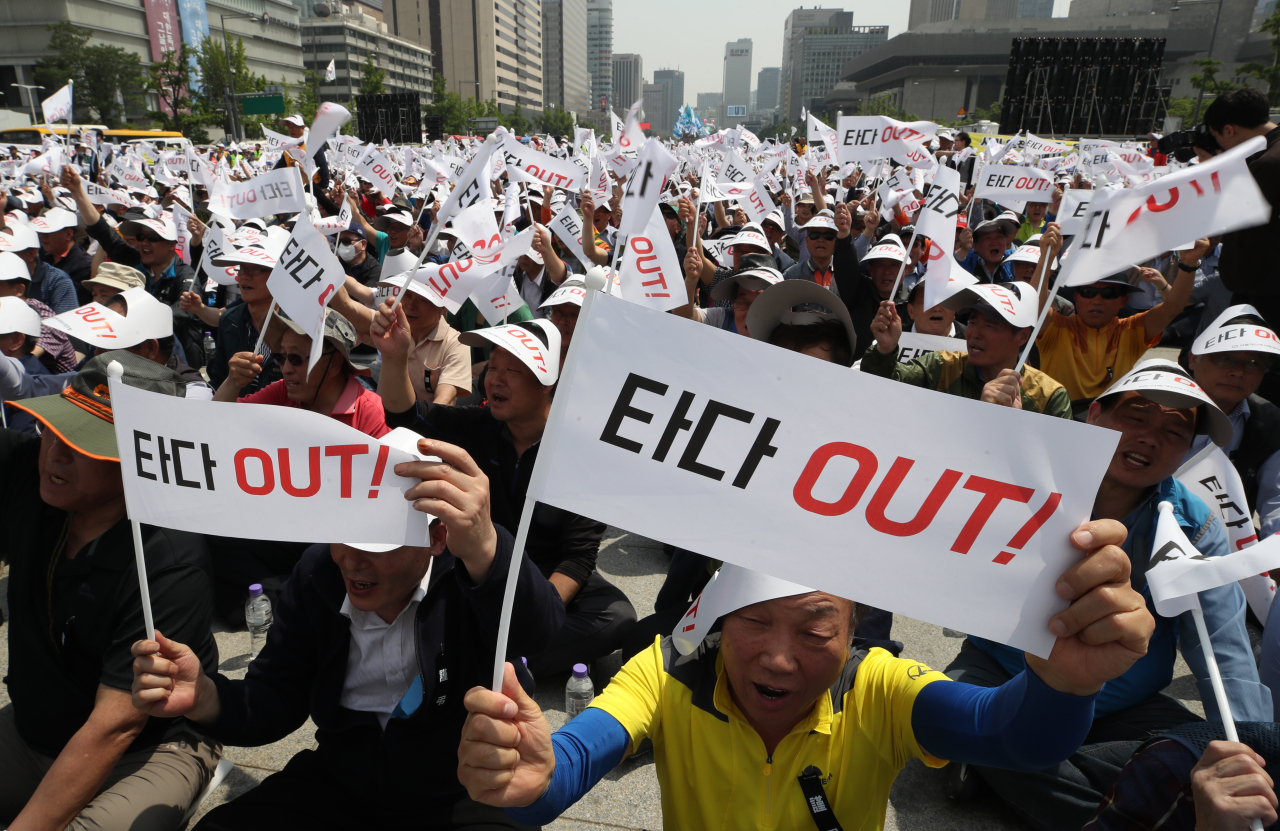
column 829, row 236
column 296, row 360
column 151, row 238
column 1110, row 293
column 1251, row 366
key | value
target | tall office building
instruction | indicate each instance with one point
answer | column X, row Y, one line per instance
column 736, row 83
column 565, row 80
column 655, row 103
column 486, row 50
column 767, row 88
column 673, row 79
column 600, row 54
column 817, row 43
column 628, row 81
column 935, row 11
column 708, row 106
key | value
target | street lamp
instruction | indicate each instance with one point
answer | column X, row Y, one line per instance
column 319, row 10
column 1195, row 117
column 231, row 79
column 31, row 99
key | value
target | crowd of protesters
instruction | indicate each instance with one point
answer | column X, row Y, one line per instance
column 386, row 649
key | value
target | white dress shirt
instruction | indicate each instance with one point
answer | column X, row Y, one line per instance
column 381, row 659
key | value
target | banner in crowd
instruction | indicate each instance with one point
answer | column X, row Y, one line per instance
column 542, row 168
column 864, row 138
column 640, row 197
column 274, row 192
column 650, row 270
column 1005, row 183
column 57, row 107
column 265, row 473
column 645, row 438
column 304, row 280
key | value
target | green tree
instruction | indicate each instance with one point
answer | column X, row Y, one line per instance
column 515, row 121
column 1207, row 80
column 557, row 121
column 371, row 77
column 1270, row 73
column 308, row 102
column 108, row 80
column 170, row 79
column 216, row 83
column 883, row 105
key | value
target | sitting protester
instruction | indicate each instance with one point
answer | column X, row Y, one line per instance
column 21, row 373
column 48, row 284
column 1156, row 429
column 563, row 307
column 377, row 644
column 986, row 259
column 53, row 348
column 111, row 279
column 239, row 329
column 737, row 292
column 73, row 750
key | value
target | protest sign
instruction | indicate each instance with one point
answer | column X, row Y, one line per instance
column 650, row 271
column 95, row 324
column 57, row 107
column 542, row 168
column 180, row 220
column 215, row 245
column 1003, row 183
column 912, row 345
column 128, row 175
column 1043, row 147
column 376, row 167
column 1128, row 226
column 265, row 473
column 850, row 507
column 98, row 195
column 304, row 280
column 1074, row 209
column 640, row 197
column 328, row 120
column 274, row 192
column 472, row 186
column 864, row 138
column 567, row 225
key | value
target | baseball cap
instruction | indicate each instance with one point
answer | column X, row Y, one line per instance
column 987, row 226
column 752, row 234
column 1169, row 385
column 1015, row 303
column 295, row 120
column 570, row 291
column 752, row 279
column 536, row 343
column 18, row 238
column 399, row 281
column 163, row 227
column 337, row 331
column 13, row 267
column 888, row 248
column 1117, row 280
column 80, row 415
column 253, row 254
column 398, row 216
column 1239, row 328
column 820, row 222
column 355, row 228
column 54, row 219
column 401, row 438
column 798, row 303
column 17, row 316
column 730, row 589
column 117, row 276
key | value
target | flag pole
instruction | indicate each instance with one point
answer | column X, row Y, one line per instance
column 915, row 232
column 1041, row 268
column 266, row 324
column 115, row 372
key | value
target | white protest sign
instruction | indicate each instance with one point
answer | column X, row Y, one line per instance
column 376, row 167
column 912, row 345
column 1002, row 183
column 544, row 169
column 128, row 175
column 215, row 245
column 98, row 195
column 94, row 324
column 1073, row 210
column 274, row 192
column 650, row 270
column 57, row 107
column 567, row 225
column 1043, row 147
column 1128, row 226
column 328, row 121
column 863, row 138
column 267, row 473
column 180, row 220
column 640, row 197
column 851, row 507
column 473, row 184
column 497, row 297
column 304, row 280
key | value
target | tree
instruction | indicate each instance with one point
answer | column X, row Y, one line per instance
column 557, row 121
column 1270, row 74
column 883, row 105
column 515, row 121
column 108, row 80
column 1207, row 80
column 457, row 113
column 371, row 77
column 215, row 83
column 308, row 102
column 170, row 80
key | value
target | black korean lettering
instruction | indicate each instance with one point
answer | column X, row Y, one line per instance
column 622, row 409
column 139, row 454
column 714, row 409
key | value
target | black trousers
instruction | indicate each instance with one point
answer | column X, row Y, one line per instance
column 1066, row 796
column 304, row 796
column 596, row 622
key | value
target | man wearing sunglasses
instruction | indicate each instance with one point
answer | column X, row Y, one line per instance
column 1087, row 351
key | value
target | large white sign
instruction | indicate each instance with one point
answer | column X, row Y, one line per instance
column 304, row 280
column 545, row 169
column 645, row 438
column 864, row 138
column 268, row 194
column 650, row 270
column 1005, row 183
column 259, row 472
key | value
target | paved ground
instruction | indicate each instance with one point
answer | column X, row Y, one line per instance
column 628, row 797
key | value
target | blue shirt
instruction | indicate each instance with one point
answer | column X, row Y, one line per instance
column 53, row 287
column 974, row 264
column 1224, row 612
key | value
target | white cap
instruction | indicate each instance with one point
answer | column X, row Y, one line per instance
column 163, row 227
column 397, row 264
column 1017, row 303
column 13, row 267
column 1244, row 336
column 17, row 316
column 252, row 254
column 1169, row 385
column 753, row 279
column 730, row 589
column 18, row 238
column 397, row 283
column 570, row 291
column 1024, row 254
column 539, row 352
column 752, row 234
column 820, row 222
column 295, row 120
column 778, row 305
column 401, row 438
column 54, row 219
column 99, row 325
column 775, row 216
column 887, row 249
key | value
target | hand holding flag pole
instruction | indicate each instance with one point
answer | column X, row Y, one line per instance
column 1048, row 251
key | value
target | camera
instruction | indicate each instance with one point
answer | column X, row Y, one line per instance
column 1182, row 144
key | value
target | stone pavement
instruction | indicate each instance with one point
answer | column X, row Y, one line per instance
column 628, row 798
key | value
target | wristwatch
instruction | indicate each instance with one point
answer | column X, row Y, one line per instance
column 1185, row 267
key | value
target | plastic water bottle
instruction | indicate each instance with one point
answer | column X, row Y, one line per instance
column 257, row 614
column 210, row 346
column 578, row 693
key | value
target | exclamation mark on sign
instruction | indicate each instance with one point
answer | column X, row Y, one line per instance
column 378, row 468
column 1026, row 532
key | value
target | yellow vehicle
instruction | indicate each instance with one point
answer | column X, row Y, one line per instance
column 34, row 135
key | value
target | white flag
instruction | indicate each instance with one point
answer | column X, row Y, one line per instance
column 640, row 197
column 544, row 169
column 862, row 138
column 650, row 270
column 214, row 246
column 57, row 107
column 943, row 276
column 567, row 225
column 1128, row 226
column 180, row 217
column 1007, row 183
column 275, row 192
column 331, row 71
column 473, row 183
column 328, row 121
column 304, row 280
column 376, row 167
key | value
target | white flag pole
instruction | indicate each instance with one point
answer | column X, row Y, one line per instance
column 915, row 232
column 1041, row 268
column 266, row 323
column 536, row 480
column 116, row 371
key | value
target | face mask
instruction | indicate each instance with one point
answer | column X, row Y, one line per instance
column 346, row 253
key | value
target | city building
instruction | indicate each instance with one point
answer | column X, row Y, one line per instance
column 736, row 81
column 347, row 37
column 656, row 102
column 566, row 83
column 767, row 81
column 490, row 50
column 817, row 43
column 408, row 19
column 272, row 39
column 600, row 55
column 937, row 11
column 673, row 79
column 628, row 81
column 708, row 106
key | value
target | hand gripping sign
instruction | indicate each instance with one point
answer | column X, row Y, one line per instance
column 567, row 225
column 1127, row 226
column 1004, row 183
column 304, row 280
column 275, row 192
column 641, row 436
column 863, row 138
column 215, row 245
column 267, row 473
